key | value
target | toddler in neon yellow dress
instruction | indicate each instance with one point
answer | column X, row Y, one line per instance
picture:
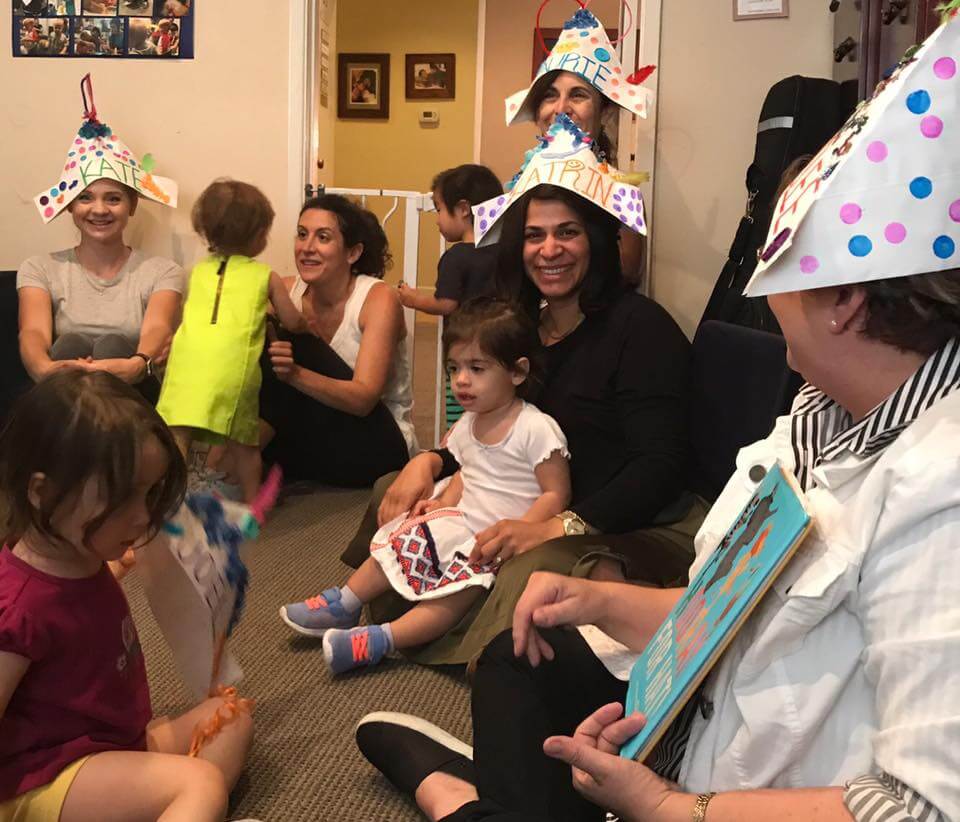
column 212, row 382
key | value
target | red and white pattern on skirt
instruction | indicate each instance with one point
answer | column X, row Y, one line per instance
column 426, row 556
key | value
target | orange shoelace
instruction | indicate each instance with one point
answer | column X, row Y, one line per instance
column 231, row 707
column 361, row 653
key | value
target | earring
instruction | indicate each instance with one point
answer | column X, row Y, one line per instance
column 833, row 323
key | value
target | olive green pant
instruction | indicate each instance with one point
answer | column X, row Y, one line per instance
column 660, row 555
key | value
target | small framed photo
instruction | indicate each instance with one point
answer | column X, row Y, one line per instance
column 154, row 38
column 43, row 36
column 172, row 8
column 431, row 76
column 760, row 9
column 100, row 8
column 136, row 8
column 46, row 8
column 363, row 86
column 99, row 37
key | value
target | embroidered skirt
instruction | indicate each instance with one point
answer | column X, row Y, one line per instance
column 425, row 557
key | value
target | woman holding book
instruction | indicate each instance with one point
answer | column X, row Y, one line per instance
column 837, row 698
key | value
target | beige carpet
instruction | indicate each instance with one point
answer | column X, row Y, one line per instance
column 304, row 765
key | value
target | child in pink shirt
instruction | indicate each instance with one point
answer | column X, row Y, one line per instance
column 90, row 472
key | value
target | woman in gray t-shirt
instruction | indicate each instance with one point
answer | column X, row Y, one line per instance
column 100, row 305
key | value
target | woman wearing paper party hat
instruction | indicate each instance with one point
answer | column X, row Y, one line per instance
column 583, row 78
column 616, row 381
column 101, row 305
column 837, row 699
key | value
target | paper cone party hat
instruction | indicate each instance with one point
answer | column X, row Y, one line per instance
column 563, row 157
column 882, row 198
column 96, row 153
column 585, row 49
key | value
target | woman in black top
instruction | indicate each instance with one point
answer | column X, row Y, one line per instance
column 615, row 379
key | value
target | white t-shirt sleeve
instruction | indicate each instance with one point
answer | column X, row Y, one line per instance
column 33, row 274
column 456, row 437
column 543, row 436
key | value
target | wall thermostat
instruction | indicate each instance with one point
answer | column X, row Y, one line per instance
column 431, row 117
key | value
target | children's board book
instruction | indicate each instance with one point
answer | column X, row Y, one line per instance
column 717, row 602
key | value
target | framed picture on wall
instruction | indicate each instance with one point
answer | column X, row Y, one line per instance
column 431, row 76
column 363, row 86
column 550, row 37
column 760, row 9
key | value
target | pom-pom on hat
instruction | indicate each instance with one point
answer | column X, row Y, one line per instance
column 96, row 153
column 882, row 198
column 564, row 157
column 584, row 49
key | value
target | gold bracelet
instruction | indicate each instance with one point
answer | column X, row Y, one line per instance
column 700, row 809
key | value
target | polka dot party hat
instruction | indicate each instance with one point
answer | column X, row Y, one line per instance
column 882, row 198
column 563, row 157
column 96, row 153
column 584, row 49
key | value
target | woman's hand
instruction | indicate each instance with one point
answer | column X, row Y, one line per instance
column 414, row 483
column 509, row 537
column 425, row 506
column 549, row 601
column 628, row 788
column 59, row 365
column 281, row 358
column 129, row 369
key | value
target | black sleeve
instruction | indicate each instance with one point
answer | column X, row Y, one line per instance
column 451, row 275
column 651, row 395
column 450, row 465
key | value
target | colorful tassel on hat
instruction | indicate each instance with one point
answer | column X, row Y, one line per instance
column 948, row 9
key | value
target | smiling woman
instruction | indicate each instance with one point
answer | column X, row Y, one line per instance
column 615, row 379
column 102, row 305
column 336, row 402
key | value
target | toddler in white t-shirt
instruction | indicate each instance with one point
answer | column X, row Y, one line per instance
column 513, row 465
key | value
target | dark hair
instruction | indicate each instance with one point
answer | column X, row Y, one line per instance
column 919, row 313
column 790, row 173
column 606, row 116
column 233, row 218
column 501, row 329
column 74, row 426
column 603, row 282
column 470, row 182
column 359, row 226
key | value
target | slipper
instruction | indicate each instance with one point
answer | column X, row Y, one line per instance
column 407, row 749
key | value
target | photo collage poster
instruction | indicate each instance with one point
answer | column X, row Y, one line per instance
column 103, row 28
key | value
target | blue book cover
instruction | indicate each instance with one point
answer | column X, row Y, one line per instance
column 691, row 639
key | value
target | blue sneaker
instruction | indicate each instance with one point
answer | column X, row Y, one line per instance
column 345, row 650
column 317, row 615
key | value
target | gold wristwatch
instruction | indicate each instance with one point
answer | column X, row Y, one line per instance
column 700, row 808
column 573, row 526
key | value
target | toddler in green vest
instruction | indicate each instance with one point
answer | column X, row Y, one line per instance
column 212, row 382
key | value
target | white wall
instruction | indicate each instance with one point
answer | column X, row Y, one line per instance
column 714, row 74
column 224, row 113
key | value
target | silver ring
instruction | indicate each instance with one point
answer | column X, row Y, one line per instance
column 497, row 559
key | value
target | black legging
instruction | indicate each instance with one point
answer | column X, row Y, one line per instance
column 316, row 442
column 515, row 708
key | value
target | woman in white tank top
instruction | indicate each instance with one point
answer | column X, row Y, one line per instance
column 336, row 403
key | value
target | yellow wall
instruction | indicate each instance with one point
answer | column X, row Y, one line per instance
column 398, row 152
column 714, row 74
column 223, row 113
